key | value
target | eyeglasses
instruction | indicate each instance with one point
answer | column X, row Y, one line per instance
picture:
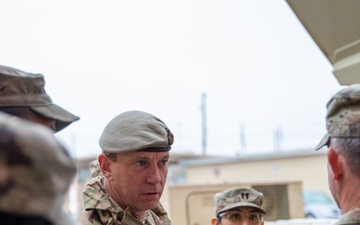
column 253, row 218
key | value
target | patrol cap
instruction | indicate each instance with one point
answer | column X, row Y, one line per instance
column 343, row 115
column 238, row 197
column 134, row 131
column 19, row 88
column 36, row 171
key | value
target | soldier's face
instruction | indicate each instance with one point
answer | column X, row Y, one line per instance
column 37, row 118
column 240, row 216
column 28, row 114
column 138, row 179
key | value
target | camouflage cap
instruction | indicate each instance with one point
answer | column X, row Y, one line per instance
column 134, row 131
column 343, row 115
column 36, row 171
column 238, row 197
column 19, row 88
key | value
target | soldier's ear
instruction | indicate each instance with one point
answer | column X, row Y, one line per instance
column 214, row 221
column 104, row 163
column 335, row 163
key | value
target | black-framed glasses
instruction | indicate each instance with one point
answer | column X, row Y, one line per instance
column 252, row 217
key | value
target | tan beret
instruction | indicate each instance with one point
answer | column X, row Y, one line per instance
column 135, row 131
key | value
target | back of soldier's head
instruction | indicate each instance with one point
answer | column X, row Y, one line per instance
column 36, row 172
column 343, row 125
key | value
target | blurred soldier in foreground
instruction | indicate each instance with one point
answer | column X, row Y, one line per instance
column 22, row 94
column 134, row 164
column 343, row 151
column 238, row 206
column 36, row 172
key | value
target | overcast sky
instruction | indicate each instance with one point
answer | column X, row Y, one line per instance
column 254, row 60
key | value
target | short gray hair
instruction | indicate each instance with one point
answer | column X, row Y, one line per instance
column 349, row 148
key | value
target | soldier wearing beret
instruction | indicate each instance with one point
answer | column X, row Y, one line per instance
column 238, row 205
column 23, row 94
column 343, row 151
column 134, row 163
column 35, row 175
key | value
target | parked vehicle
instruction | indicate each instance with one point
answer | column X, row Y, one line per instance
column 319, row 205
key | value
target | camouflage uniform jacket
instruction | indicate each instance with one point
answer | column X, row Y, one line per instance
column 101, row 209
column 352, row 217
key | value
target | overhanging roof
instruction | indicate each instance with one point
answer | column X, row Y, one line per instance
column 254, row 157
column 334, row 26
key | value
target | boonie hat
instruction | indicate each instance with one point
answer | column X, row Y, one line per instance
column 343, row 115
column 36, row 171
column 19, row 88
column 134, row 131
column 238, row 197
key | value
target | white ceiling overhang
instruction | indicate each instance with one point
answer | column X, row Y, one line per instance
column 334, row 25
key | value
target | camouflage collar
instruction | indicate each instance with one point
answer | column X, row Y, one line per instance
column 95, row 197
column 352, row 217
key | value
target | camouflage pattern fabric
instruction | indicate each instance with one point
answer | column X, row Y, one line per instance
column 35, row 171
column 237, row 197
column 101, row 209
column 343, row 115
column 352, row 217
column 20, row 88
column 94, row 168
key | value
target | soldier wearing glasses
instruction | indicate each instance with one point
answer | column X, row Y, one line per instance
column 239, row 206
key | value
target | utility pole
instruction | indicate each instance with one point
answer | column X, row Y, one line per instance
column 278, row 138
column 203, row 120
column 242, row 139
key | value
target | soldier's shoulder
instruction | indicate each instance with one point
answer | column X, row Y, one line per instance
column 88, row 217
